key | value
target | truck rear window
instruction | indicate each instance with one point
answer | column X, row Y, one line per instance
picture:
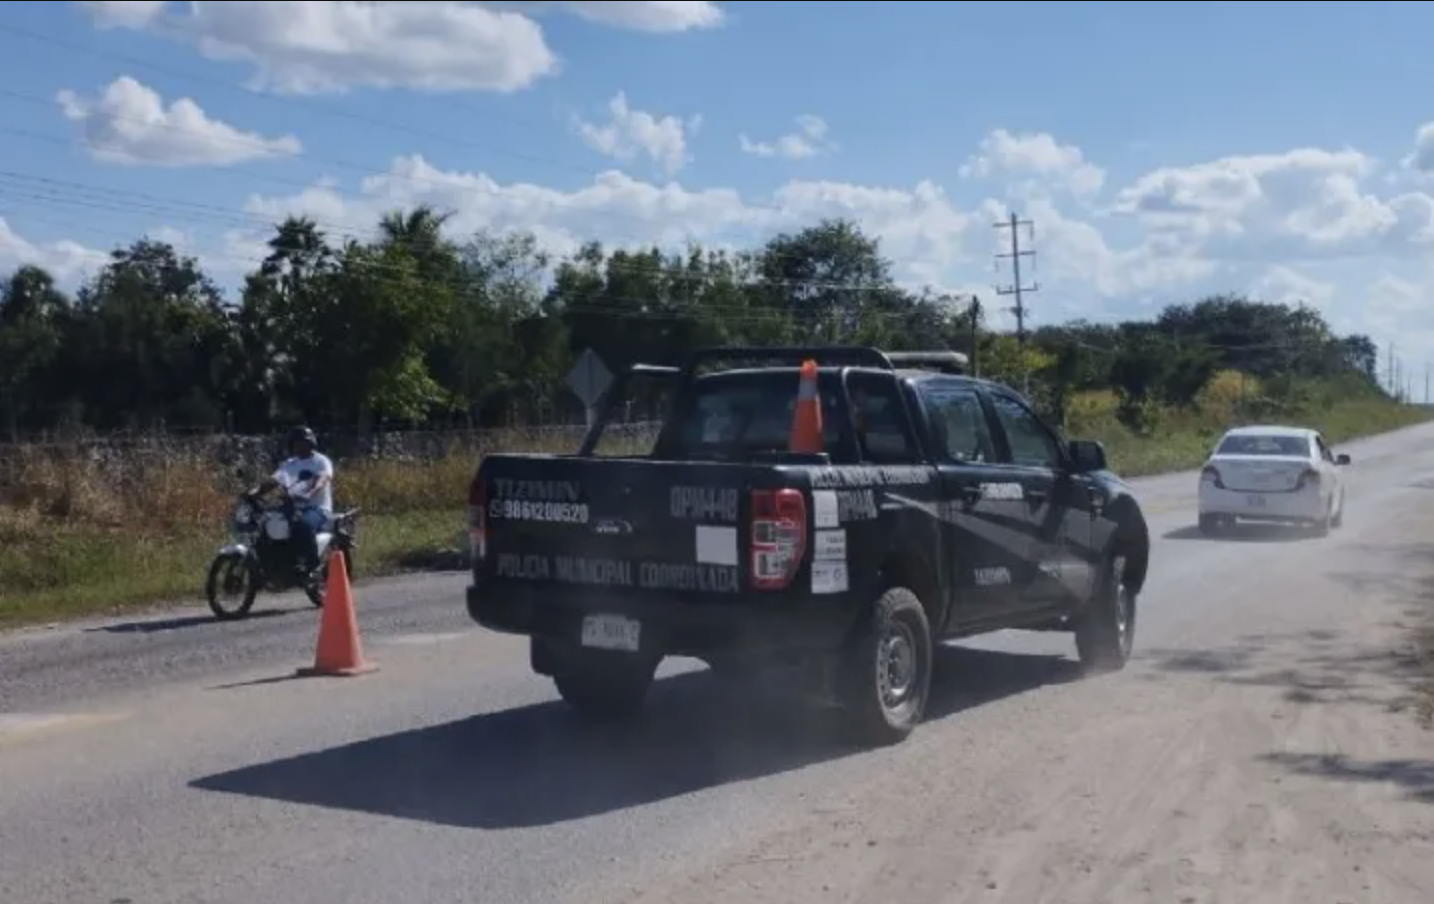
column 733, row 416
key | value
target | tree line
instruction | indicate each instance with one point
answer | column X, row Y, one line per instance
column 415, row 328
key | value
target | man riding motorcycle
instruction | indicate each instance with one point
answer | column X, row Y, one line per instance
column 308, row 477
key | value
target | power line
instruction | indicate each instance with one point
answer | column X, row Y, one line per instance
column 1015, row 288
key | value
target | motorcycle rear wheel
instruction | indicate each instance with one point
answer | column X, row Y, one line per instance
column 221, row 578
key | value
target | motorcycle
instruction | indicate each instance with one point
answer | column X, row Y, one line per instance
column 261, row 557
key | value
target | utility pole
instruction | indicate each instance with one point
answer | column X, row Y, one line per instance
column 975, row 337
column 1426, row 382
column 1014, row 224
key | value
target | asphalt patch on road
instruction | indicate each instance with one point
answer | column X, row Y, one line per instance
column 540, row 764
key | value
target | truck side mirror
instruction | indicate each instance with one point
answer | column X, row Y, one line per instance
column 1086, row 455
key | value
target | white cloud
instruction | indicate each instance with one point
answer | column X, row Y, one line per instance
column 630, row 132
column 809, row 140
column 1241, row 222
column 129, row 123
column 1421, row 159
column 1309, row 224
column 654, row 16
column 323, row 46
column 1034, row 156
column 1304, row 204
column 1284, row 285
column 920, row 227
column 69, row 262
column 122, row 13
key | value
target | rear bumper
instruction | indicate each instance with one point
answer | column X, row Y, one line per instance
column 671, row 625
column 1307, row 504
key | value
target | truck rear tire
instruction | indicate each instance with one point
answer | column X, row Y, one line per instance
column 886, row 674
column 604, row 687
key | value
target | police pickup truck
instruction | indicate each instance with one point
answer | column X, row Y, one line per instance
column 940, row 507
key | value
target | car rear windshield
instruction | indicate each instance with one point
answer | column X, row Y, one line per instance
column 730, row 417
column 1264, row 444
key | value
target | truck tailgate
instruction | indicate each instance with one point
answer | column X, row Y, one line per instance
column 625, row 524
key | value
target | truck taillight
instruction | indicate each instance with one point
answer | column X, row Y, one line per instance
column 478, row 519
column 779, row 537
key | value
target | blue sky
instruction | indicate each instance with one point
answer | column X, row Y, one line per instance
column 1164, row 150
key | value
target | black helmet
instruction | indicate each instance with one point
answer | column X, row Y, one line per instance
column 303, row 435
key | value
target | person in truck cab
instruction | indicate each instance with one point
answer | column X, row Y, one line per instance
column 878, row 429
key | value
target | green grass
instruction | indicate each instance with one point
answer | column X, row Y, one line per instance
column 83, row 571
column 1176, row 440
column 68, row 547
column 1180, row 449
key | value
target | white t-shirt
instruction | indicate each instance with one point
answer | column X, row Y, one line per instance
column 317, row 464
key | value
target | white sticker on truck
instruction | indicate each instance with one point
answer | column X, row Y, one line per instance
column 830, row 545
column 825, row 512
column 716, row 545
column 829, row 577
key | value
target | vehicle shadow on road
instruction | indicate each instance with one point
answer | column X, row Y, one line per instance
column 1416, row 777
column 539, row 764
column 178, row 623
column 1342, row 667
column 1327, row 668
column 1242, row 533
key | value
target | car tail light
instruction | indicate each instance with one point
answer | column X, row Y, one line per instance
column 1308, row 475
column 779, row 537
column 1212, row 474
column 478, row 519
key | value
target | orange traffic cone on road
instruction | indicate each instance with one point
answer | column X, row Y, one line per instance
column 806, row 433
column 338, row 651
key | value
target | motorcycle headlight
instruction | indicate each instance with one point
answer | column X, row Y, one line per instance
column 243, row 514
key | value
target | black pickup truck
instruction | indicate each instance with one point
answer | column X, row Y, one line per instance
column 941, row 507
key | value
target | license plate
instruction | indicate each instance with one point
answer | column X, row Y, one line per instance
column 612, row 632
column 1255, row 500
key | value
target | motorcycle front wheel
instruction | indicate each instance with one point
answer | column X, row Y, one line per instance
column 231, row 587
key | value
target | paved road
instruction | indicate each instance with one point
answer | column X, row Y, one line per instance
column 1248, row 754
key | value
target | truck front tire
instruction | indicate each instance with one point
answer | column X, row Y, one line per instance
column 886, row 672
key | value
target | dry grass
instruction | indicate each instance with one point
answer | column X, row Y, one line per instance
column 94, row 530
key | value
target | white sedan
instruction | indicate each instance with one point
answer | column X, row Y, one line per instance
column 1286, row 475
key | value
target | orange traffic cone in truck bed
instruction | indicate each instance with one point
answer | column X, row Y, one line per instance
column 806, row 434
column 338, row 651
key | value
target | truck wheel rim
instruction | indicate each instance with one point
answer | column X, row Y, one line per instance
column 895, row 665
column 1121, row 603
